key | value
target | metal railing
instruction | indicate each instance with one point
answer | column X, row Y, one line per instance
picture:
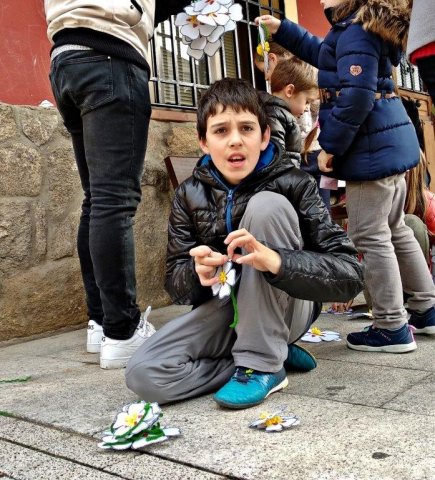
column 177, row 79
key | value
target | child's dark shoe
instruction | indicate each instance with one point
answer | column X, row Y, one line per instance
column 373, row 339
column 423, row 322
column 299, row 359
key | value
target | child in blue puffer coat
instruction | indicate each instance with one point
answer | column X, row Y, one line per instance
column 368, row 140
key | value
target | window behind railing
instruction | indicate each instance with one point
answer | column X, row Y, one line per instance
column 408, row 76
column 177, row 80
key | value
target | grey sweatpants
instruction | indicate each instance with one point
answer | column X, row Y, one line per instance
column 392, row 256
column 197, row 352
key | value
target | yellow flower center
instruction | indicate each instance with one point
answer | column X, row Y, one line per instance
column 260, row 51
column 223, row 278
column 276, row 420
column 316, row 331
column 133, row 419
column 193, row 21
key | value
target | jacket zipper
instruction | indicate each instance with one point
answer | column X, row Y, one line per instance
column 229, row 206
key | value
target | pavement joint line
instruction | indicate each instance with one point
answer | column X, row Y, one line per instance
column 371, row 364
column 422, row 380
column 283, row 392
column 62, row 457
column 104, row 470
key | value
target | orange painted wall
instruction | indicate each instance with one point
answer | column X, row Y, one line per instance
column 311, row 16
column 24, row 53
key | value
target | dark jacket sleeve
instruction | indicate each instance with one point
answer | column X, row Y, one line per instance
column 327, row 270
column 182, row 282
column 166, row 8
column 299, row 41
column 357, row 55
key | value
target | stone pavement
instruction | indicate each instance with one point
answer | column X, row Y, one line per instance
column 364, row 416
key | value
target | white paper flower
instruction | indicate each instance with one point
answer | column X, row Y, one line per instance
column 207, row 6
column 227, row 279
column 275, row 422
column 315, row 335
column 136, row 426
column 203, row 23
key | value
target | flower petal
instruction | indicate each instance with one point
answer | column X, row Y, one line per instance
column 221, row 18
column 274, row 428
column 211, row 48
column 231, row 277
column 190, row 31
column 227, row 266
column 205, row 31
column 225, row 290
column 120, row 420
column 171, row 431
column 181, row 19
column 235, row 12
column 143, row 442
column 207, row 20
column 216, row 288
column 199, row 44
column 196, row 54
column 230, row 25
column 311, row 338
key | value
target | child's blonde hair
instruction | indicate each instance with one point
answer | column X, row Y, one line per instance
column 293, row 71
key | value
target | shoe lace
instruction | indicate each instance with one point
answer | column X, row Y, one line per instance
column 243, row 375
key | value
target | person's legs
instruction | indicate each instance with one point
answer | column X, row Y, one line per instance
column 188, row 356
column 193, row 354
column 113, row 100
column 369, row 206
column 268, row 318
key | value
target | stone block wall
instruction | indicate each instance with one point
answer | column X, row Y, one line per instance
column 40, row 198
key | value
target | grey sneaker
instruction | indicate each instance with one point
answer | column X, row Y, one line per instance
column 93, row 337
column 117, row 353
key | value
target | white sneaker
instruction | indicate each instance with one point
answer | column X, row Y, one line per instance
column 116, row 353
column 94, row 335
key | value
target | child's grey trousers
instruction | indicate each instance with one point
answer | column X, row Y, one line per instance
column 197, row 352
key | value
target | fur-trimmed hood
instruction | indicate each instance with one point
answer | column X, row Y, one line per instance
column 387, row 18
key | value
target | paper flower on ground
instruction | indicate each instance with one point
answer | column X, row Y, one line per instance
column 315, row 335
column 137, row 426
column 225, row 287
column 275, row 422
column 203, row 23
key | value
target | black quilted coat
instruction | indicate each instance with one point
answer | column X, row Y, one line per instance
column 205, row 209
column 283, row 126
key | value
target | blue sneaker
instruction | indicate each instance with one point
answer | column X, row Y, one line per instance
column 247, row 388
column 373, row 339
column 423, row 322
column 299, row 359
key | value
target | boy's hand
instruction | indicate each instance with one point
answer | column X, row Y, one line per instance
column 206, row 262
column 324, row 160
column 259, row 256
column 271, row 22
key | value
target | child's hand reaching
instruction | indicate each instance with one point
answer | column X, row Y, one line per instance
column 324, row 160
column 259, row 256
column 271, row 22
column 206, row 262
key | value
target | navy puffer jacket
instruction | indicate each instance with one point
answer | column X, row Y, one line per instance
column 370, row 138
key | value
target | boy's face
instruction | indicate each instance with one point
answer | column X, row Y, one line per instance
column 300, row 102
column 234, row 142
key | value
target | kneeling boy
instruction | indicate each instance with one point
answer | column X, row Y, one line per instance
column 248, row 203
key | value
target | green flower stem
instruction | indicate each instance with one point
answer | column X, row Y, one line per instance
column 236, row 309
column 16, row 380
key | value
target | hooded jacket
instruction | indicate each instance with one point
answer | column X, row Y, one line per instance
column 370, row 138
column 131, row 21
column 283, row 126
column 205, row 209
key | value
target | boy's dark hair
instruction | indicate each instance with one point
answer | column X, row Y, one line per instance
column 233, row 93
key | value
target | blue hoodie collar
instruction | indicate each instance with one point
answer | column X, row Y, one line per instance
column 265, row 159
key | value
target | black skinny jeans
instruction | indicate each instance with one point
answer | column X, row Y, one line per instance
column 105, row 105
